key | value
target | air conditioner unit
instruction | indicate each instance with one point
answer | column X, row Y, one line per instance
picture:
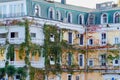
column 78, row 35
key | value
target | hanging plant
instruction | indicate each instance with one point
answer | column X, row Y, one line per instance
column 10, row 52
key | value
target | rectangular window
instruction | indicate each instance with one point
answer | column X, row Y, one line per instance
column 4, row 11
column 70, row 37
column 77, row 78
column 90, row 42
column 116, row 40
column 17, row 77
column 90, row 62
column 103, row 38
column 3, row 35
column 103, row 60
column 81, row 39
column 14, row 34
column 33, row 35
column 81, row 60
column 70, row 77
column 69, row 59
column 116, row 62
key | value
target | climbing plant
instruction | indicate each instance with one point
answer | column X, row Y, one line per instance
column 52, row 48
column 10, row 52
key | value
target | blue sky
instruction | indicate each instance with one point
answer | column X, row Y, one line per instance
column 86, row 3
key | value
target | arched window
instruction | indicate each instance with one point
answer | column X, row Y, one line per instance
column 80, row 19
column 117, row 17
column 37, row 11
column 91, row 19
column 104, row 18
column 69, row 18
column 58, row 15
column 51, row 13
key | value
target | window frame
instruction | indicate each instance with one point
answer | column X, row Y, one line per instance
column 89, row 62
column 82, row 19
column 69, row 14
column 91, row 16
column 114, row 64
column 68, row 76
column 14, row 34
column 58, row 15
column 70, row 41
column 39, row 10
column 70, row 59
column 102, row 18
column 114, row 17
column 103, row 39
column 92, row 42
column 82, row 60
column 51, row 9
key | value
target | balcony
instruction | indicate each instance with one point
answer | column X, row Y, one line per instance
column 2, row 40
column 107, row 67
column 13, row 15
column 16, row 40
column 2, row 64
column 37, row 41
column 37, row 64
column 17, row 63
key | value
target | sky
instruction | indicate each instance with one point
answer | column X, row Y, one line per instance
column 86, row 3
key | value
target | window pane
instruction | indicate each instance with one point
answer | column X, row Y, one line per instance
column 69, row 59
column 69, row 77
column 80, row 60
column 81, row 39
column 70, row 37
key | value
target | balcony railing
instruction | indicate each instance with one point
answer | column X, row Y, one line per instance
column 16, row 40
column 17, row 63
column 38, row 41
column 2, row 64
column 12, row 15
column 2, row 40
column 37, row 64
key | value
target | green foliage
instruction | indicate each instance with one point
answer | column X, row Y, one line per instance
column 2, row 72
column 10, row 52
column 22, row 72
column 52, row 48
column 110, row 57
column 35, row 72
column 2, row 50
column 10, row 70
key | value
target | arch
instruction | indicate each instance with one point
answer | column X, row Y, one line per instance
column 69, row 17
column 51, row 13
column 104, row 18
column 80, row 19
column 58, row 15
column 91, row 19
column 37, row 10
column 116, row 17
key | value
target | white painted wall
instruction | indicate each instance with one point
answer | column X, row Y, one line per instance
column 21, row 34
column 7, row 5
column 39, row 35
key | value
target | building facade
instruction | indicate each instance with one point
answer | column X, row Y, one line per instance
column 57, row 41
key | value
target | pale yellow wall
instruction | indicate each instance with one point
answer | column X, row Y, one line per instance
column 17, row 56
column 36, row 57
column 112, row 35
column 82, row 76
column 95, row 35
column 2, row 55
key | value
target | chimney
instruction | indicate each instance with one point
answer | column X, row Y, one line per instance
column 63, row 1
